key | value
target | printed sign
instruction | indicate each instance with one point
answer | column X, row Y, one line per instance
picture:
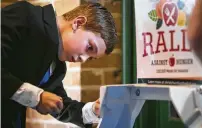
column 164, row 55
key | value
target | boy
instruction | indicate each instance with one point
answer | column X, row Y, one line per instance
column 195, row 29
column 35, row 45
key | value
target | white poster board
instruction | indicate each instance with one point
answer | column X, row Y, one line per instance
column 164, row 55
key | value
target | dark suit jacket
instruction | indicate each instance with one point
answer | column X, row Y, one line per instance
column 29, row 43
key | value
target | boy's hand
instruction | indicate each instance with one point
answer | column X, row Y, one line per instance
column 96, row 107
column 49, row 103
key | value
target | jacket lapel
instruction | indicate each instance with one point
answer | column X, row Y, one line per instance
column 52, row 42
column 50, row 23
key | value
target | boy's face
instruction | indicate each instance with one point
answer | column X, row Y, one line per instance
column 80, row 45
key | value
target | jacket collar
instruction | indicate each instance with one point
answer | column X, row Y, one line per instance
column 50, row 23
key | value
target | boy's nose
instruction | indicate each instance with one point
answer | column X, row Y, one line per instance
column 83, row 58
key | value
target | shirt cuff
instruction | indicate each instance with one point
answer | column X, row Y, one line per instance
column 88, row 115
column 28, row 95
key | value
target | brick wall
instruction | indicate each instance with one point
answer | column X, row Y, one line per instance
column 82, row 81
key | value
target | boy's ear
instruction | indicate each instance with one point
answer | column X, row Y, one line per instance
column 79, row 22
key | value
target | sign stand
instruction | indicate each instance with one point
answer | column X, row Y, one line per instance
column 120, row 105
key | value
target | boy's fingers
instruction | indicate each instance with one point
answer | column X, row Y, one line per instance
column 97, row 106
column 97, row 101
column 60, row 105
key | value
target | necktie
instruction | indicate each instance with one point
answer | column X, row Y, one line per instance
column 46, row 77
